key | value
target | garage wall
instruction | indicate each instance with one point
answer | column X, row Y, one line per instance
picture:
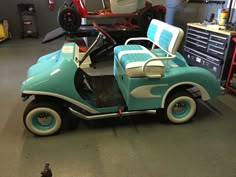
column 46, row 19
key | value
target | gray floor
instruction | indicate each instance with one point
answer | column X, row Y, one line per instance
column 130, row 147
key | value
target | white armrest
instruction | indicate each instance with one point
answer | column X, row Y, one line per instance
column 137, row 39
column 151, row 60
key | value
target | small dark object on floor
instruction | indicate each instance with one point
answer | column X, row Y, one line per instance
column 47, row 172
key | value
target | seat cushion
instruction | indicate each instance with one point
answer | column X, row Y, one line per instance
column 129, row 47
column 133, row 57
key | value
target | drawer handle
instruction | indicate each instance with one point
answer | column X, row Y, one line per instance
column 220, row 37
column 217, row 52
column 196, row 44
column 197, row 40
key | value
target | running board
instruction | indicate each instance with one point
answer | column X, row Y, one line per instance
column 109, row 115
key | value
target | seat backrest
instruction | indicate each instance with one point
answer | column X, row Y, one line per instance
column 165, row 36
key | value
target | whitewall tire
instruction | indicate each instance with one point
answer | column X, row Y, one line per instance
column 42, row 119
column 181, row 107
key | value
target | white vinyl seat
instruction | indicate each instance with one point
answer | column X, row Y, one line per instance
column 138, row 61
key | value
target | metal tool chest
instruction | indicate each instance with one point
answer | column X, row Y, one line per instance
column 209, row 48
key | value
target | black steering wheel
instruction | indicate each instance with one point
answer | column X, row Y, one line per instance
column 104, row 33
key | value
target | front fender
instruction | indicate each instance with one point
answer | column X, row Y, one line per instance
column 53, row 74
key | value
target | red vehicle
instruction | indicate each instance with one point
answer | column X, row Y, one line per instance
column 137, row 12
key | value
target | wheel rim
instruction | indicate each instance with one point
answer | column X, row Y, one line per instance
column 69, row 19
column 181, row 109
column 43, row 121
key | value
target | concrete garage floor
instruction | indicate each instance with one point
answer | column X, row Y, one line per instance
column 138, row 146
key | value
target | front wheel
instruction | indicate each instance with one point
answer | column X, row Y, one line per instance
column 42, row 118
column 180, row 107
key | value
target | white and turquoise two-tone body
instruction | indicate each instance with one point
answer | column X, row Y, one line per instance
column 143, row 81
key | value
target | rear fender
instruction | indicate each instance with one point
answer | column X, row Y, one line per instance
column 204, row 94
column 200, row 78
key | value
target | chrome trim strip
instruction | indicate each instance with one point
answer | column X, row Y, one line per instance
column 109, row 115
column 83, row 106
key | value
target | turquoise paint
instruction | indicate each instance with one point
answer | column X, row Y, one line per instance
column 172, row 76
column 152, row 31
column 158, row 52
column 178, row 60
column 122, row 80
column 42, row 66
column 44, row 78
column 40, row 126
column 57, row 76
column 165, row 38
column 158, row 90
column 184, row 113
column 128, row 58
column 49, row 56
column 120, row 48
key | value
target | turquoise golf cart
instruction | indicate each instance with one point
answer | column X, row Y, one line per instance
column 144, row 81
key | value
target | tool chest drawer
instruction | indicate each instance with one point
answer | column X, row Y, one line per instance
column 208, row 42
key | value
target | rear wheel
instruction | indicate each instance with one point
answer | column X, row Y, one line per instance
column 69, row 19
column 43, row 118
column 180, row 107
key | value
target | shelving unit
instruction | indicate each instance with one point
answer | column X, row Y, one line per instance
column 231, row 80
